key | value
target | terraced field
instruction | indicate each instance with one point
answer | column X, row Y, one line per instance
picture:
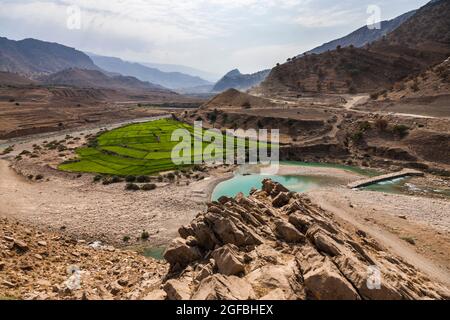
column 141, row 149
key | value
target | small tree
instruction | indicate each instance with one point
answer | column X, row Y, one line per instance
column 381, row 124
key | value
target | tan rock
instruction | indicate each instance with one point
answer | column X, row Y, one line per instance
column 358, row 274
column 325, row 243
column 177, row 290
column 228, row 260
column 327, row 283
column 157, row 294
column 274, row 295
column 322, row 279
column 21, row 246
column 204, row 271
column 288, row 232
column 115, row 288
column 273, row 188
column 220, row 287
column 42, row 243
column 277, row 277
column 281, row 200
column 179, row 253
column 301, row 222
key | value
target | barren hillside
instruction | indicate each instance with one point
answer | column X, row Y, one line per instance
column 422, row 41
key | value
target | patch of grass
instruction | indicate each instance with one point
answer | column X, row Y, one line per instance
column 136, row 150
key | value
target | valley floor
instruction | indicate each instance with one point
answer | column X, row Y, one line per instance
column 93, row 212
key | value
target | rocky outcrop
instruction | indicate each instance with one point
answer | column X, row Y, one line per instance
column 262, row 248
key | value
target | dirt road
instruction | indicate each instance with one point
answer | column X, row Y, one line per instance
column 392, row 219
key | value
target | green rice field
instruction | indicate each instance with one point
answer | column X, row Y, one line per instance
column 140, row 149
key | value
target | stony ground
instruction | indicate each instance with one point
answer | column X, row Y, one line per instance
column 93, row 211
column 43, row 265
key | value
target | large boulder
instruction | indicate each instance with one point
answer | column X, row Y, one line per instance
column 269, row 280
column 228, row 260
column 179, row 254
column 358, row 273
column 232, row 230
column 301, row 222
column 220, row 287
column 322, row 279
column 177, row 290
column 287, row 232
column 273, row 188
column 281, row 199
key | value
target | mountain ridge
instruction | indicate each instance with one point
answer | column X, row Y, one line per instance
column 32, row 57
column 364, row 35
column 236, row 80
column 420, row 42
column 172, row 80
column 82, row 78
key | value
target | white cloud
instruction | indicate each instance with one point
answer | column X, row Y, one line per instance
column 211, row 34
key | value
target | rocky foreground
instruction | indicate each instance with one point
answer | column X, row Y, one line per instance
column 271, row 245
column 277, row 245
column 37, row 265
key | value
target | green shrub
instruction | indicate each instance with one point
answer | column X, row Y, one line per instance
column 39, row 177
column 116, row 179
column 400, row 130
column 357, row 136
column 132, row 187
column 246, row 105
column 381, row 124
column 97, row 178
column 145, row 235
column 130, row 178
column 126, row 239
column 171, row 176
column 142, row 179
column 364, row 126
column 149, row 187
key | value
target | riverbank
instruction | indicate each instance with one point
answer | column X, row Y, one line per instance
column 96, row 212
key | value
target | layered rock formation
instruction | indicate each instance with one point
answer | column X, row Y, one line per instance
column 277, row 245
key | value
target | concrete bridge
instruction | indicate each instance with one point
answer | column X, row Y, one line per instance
column 385, row 177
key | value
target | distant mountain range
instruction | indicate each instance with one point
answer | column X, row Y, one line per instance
column 33, row 59
column 365, row 35
column 208, row 76
column 82, row 78
column 235, row 79
column 172, row 80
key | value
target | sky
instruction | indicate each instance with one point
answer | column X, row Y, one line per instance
column 212, row 35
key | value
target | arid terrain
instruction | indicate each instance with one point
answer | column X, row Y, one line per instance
column 89, row 209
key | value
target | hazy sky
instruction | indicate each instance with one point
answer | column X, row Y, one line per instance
column 213, row 35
